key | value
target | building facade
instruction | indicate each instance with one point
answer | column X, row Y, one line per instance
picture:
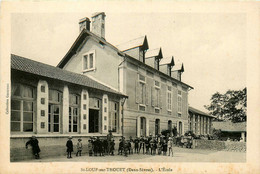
column 53, row 104
column 156, row 100
column 200, row 123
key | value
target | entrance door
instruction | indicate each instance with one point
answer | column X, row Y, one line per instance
column 143, row 126
column 93, row 120
column 180, row 128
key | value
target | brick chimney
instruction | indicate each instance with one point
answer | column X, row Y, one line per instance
column 98, row 24
column 84, row 23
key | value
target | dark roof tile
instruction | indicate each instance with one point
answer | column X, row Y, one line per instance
column 41, row 69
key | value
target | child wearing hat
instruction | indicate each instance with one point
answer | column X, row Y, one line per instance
column 79, row 147
column 90, row 147
column 69, row 146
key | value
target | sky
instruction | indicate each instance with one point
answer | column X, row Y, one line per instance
column 212, row 46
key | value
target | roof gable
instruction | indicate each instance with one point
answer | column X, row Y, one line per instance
column 178, row 67
column 167, row 61
column 82, row 36
column 138, row 42
column 154, row 53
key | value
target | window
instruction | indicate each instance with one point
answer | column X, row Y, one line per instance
column 142, row 126
column 22, row 108
column 179, row 103
column 141, row 58
column 88, row 61
column 169, row 99
column 156, row 94
column 113, row 116
column 141, row 95
column 54, row 111
column 74, row 112
column 42, row 88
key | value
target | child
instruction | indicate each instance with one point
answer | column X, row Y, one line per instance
column 79, row 147
column 170, row 146
column 159, row 146
column 147, row 145
column 121, row 147
column 141, row 144
column 164, row 147
column 90, row 148
column 69, row 146
column 112, row 147
column 136, row 142
column 35, row 146
column 132, row 146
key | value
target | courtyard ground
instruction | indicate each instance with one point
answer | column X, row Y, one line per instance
column 180, row 155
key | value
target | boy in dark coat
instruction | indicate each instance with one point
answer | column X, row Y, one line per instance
column 35, row 146
column 136, row 142
column 90, row 147
column 112, row 147
column 121, row 147
column 69, row 146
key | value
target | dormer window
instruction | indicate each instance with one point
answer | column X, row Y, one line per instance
column 88, row 61
column 156, row 63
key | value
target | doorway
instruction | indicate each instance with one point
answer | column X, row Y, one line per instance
column 93, row 120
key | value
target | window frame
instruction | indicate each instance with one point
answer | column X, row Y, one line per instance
column 169, row 100
column 114, row 109
column 74, row 106
column 22, row 99
column 94, row 61
column 179, row 103
column 52, row 103
column 142, row 84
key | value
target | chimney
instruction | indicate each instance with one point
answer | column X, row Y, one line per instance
column 98, row 24
column 84, row 23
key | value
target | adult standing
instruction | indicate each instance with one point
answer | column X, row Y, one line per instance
column 110, row 138
column 35, row 146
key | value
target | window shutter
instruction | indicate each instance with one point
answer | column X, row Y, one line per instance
column 153, row 96
column 146, row 95
column 137, row 92
column 160, row 99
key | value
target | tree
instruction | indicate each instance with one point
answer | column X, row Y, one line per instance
column 229, row 106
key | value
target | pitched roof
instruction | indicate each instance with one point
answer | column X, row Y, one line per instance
column 178, row 67
column 82, row 36
column 41, row 69
column 153, row 53
column 167, row 61
column 228, row 126
column 138, row 42
column 196, row 111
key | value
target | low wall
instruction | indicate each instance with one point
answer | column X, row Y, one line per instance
column 50, row 147
column 219, row 145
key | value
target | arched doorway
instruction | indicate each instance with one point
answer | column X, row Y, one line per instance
column 157, row 126
column 180, row 128
column 142, row 126
column 170, row 125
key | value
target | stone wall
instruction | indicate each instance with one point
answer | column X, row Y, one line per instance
column 219, row 145
column 50, row 147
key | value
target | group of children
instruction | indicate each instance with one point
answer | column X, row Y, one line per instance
column 96, row 147
column 146, row 145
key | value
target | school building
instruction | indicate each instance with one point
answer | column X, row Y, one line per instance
column 129, row 89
